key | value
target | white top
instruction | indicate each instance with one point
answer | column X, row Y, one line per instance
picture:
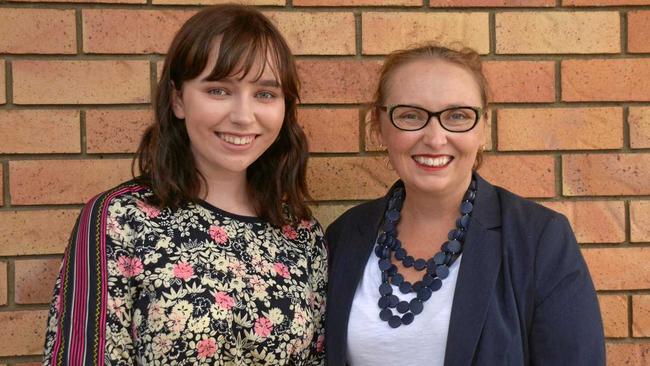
column 371, row 341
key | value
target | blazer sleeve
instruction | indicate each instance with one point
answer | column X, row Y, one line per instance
column 567, row 327
column 89, row 321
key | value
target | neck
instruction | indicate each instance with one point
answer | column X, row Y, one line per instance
column 228, row 192
column 425, row 207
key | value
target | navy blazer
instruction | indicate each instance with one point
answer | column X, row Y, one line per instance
column 524, row 295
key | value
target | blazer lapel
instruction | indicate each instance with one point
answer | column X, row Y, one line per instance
column 476, row 278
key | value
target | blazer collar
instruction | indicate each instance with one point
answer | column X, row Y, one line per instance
column 476, row 277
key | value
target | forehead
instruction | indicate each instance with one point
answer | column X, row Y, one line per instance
column 432, row 82
column 245, row 62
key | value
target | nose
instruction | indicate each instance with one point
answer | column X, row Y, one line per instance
column 242, row 111
column 433, row 134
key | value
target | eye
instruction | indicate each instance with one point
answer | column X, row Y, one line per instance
column 219, row 92
column 459, row 115
column 265, row 95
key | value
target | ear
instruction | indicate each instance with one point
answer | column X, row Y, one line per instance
column 177, row 103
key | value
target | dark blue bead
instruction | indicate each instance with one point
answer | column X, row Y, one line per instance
column 436, row 285
column 453, row 246
column 397, row 279
column 395, row 321
column 424, row 294
column 382, row 252
column 408, row 261
column 419, row 264
column 407, row 318
column 392, row 301
column 442, row 272
column 384, row 277
column 469, row 196
column 403, row 307
column 417, row 286
column 400, row 254
column 464, row 221
column 385, row 314
column 439, row 258
column 396, row 244
column 383, row 302
column 389, row 241
column 405, row 287
column 381, row 238
column 427, row 280
column 389, row 226
column 416, row 306
column 392, row 215
column 385, row 289
column 453, row 234
column 384, row 264
column 392, row 270
column 461, row 236
column 466, row 207
column 472, row 184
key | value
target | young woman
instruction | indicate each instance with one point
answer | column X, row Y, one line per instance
column 210, row 256
column 398, row 292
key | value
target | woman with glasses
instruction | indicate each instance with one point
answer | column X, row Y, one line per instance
column 447, row 269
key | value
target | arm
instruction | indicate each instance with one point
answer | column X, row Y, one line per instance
column 318, row 284
column 89, row 320
column 567, row 327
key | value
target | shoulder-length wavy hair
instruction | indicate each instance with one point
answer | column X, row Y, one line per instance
column 164, row 158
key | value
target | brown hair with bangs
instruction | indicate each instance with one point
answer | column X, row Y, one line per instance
column 164, row 157
column 464, row 57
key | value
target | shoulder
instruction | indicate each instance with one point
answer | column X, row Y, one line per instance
column 118, row 201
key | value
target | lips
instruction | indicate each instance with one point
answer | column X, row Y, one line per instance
column 239, row 140
column 437, row 161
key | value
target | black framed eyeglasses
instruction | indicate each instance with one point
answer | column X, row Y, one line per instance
column 411, row 118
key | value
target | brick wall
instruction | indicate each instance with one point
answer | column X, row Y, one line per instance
column 570, row 126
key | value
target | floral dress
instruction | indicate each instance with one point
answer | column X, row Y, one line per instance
column 191, row 286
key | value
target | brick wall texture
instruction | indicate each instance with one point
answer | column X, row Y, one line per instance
column 570, row 124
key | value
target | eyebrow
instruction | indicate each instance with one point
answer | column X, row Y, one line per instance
column 261, row 82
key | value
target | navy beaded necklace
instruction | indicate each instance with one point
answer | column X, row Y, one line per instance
column 437, row 267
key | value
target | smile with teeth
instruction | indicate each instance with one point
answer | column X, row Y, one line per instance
column 236, row 140
column 431, row 161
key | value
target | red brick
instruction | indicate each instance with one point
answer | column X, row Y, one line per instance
column 525, row 175
column 326, row 213
column 320, row 33
column 606, row 80
column 639, row 121
column 37, row 31
column 604, row 2
column 331, row 130
column 521, row 81
column 39, row 131
column 613, row 309
column 349, row 178
column 1, row 187
column 628, row 354
column 211, row 2
column 19, row 234
column 560, row 128
column 641, row 316
column 85, row 1
column 606, row 174
column 557, row 32
column 495, row 3
column 130, row 31
column 24, row 332
column 357, row 2
column 116, row 131
column 81, row 82
column 35, row 280
column 594, row 221
column 638, row 31
column 619, row 268
column 3, row 283
column 384, row 32
column 640, row 221
column 64, row 181
column 327, row 81
column 3, row 86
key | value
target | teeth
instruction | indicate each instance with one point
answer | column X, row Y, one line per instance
column 435, row 162
column 236, row 140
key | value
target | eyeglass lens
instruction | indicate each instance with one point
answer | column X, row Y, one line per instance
column 413, row 118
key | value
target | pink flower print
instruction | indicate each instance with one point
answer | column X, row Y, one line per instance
column 263, row 327
column 206, row 348
column 183, row 271
column 289, row 232
column 320, row 344
column 224, row 300
column 218, row 234
column 305, row 223
column 129, row 267
column 151, row 211
column 282, row 270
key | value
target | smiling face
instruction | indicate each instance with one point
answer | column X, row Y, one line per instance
column 432, row 160
column 232, row 121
